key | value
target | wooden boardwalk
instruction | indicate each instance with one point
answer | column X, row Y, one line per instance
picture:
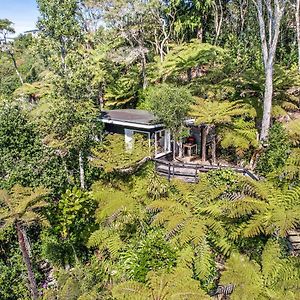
column 190, row 172
column 294, row 240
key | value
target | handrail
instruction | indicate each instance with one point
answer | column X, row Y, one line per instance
column 199, row 167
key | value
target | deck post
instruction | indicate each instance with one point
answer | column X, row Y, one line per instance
column 169, row 171
column 173, row 170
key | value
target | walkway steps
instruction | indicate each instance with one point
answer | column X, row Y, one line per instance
column 294, row 239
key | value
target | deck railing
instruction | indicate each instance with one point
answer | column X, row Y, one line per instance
column 189, row 170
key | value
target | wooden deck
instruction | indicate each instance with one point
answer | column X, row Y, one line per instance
column 189, row 172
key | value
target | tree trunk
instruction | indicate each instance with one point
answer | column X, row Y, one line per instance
column 63, row 54
column 218, row 20
column 269, row 18
column 144, row 78
column 180, row 148
column 200, row 34
column 174, row 146
column 267, row 109
column 214, row 147
column 26, row 259
column 243, row 11
column 81, row 171
column 101, row 96
column 16, row 67
column 164, row 41
column 203, row 143
column 298, row 30
column 189, row 74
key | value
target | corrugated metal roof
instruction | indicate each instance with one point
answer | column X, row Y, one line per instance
column 130, row 115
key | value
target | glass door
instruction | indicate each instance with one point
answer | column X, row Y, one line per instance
column 162, row 142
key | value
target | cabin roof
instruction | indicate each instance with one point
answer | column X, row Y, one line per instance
column 131, row 117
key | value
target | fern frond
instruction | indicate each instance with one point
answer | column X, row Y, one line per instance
column 257, row 224
column 203, row 260
column 246, row 277
column 106, row 240
column 244, row 207
column 130, row 290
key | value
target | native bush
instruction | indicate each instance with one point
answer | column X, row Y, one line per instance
column 151, row 252
column 277, row 151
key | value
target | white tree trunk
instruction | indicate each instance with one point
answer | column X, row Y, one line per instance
column 267, row 108
column 81, row 171
column 11, row 54
column 218, row 20
column 269, row 14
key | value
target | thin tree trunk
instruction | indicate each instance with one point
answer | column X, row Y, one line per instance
column 16, row 67
column 298, row 30
column 101, row 96
column 180, row 152
column 63, row 54
column 243, row 10
column 26, row 259
column 81, row 171
column 214, row 147
column 174, row 146
column 144, row 78
column 267, row 108
column 189, row 74
column 164, row 41
column 200, row 34
column 269, row 19
column 174, row 150
column 203, row 143
column 218, row 20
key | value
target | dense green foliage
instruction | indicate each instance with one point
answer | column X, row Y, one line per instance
column 277, row 151
column 82, row 216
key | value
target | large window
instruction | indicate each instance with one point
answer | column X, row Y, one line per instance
column 131, row 135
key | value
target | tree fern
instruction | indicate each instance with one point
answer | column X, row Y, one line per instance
column 111, row 155
column 180, row 223
column 290, row 171
column 275, row 278
column 280, row 213
column 293, row 130
column 176, row 285
column 241, row 135
column 246, row 277
column 203, row 261
column 106, row 240
column 116, row 206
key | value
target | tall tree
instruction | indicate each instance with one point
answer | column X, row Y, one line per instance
column 60, row 32
column 23, row 157
column 270, row 14
column 21, row 207
column 69, row 122
column 6, row 27
column 213, row 114
column 171, row 105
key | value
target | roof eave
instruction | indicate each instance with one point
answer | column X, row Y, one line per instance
column 132, row 124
